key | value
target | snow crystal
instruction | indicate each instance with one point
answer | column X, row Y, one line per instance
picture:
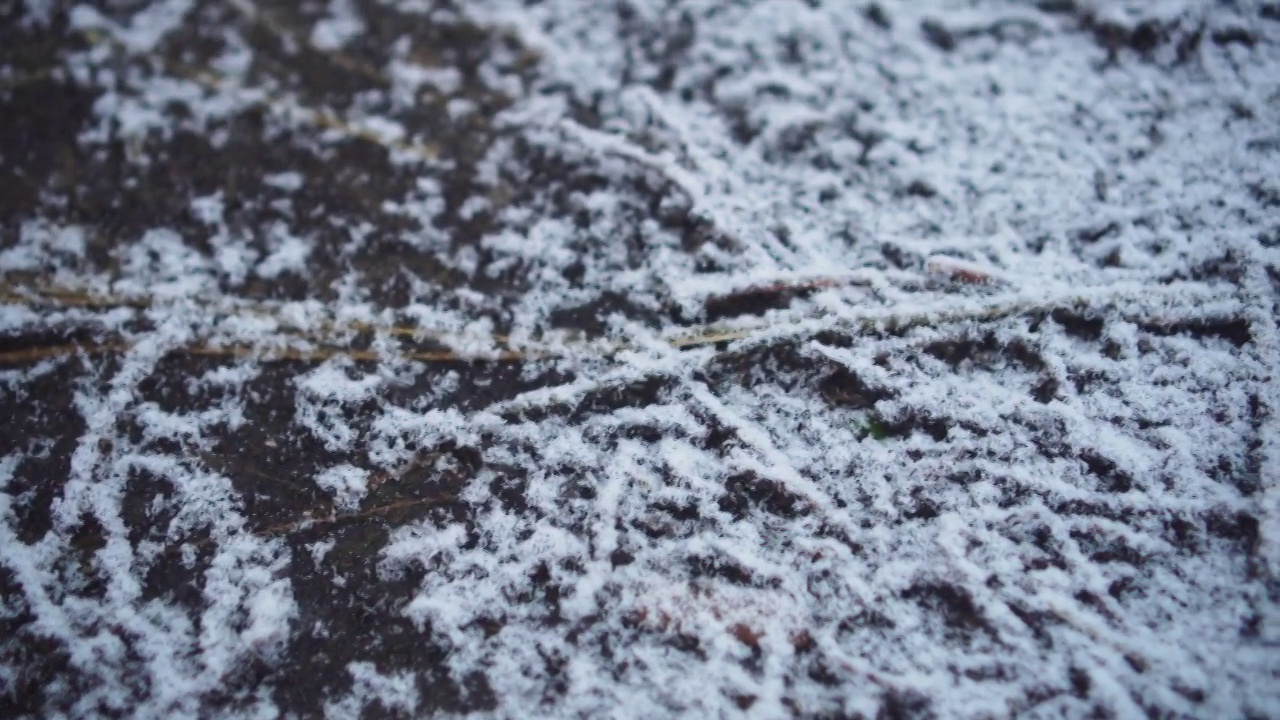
column 287, row 253
column 338, row 27
column 393, row 692
column 287, row 181
column 39, row 244
column 347, row 484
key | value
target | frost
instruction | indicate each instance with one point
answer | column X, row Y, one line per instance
column 287, row 181
column 145, row 29
column 409, row 77
column 161, row 264
column 700, row 359
column 287, row 253
column 393, row 692
column 347, row 484
column 339, row 26
column 40, row 244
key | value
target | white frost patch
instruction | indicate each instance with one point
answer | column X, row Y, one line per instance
column 286, row 253
column 395, row 692
column 162, row 265
column 146, row 657
column 209, row 209
column 146, row 29
column 320, row 549
column 347, row 484
column 338, row 27
column 325, row 400
column 40, row 245
column 289, row 181
column 332, row 382
column 408, row 78
column 459, row 108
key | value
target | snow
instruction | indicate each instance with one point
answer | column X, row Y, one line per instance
column 716, row 358
column 287, row 253
column 338, row 27
column 39, row 243
column 346, row 483
column 290, row 181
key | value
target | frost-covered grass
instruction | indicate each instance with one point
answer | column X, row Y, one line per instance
column 578, row 359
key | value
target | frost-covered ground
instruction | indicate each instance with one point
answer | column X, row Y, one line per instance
column 639, row 358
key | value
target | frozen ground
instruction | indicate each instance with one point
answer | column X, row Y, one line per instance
column 639, row 358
